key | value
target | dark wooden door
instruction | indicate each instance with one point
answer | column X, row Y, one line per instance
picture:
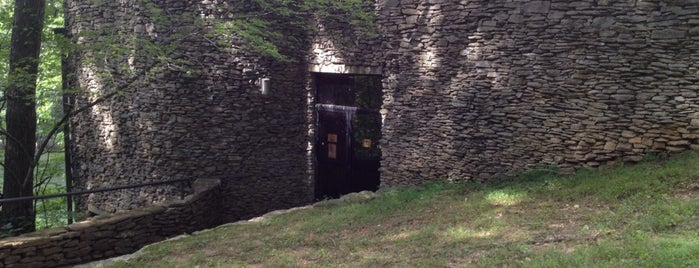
column 332, row 153
column 348, row 131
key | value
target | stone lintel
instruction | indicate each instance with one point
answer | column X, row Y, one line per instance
column 345, row 69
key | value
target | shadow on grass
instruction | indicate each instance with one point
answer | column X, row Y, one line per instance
column 626, row 216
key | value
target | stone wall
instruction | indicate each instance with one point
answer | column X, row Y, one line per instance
column 475, row 89
column 115, row 235
column 199, row 113
column 472, row 89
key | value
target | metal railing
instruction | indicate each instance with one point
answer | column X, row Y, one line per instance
column 110, row 189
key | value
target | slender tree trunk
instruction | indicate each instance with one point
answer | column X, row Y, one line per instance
column 21, row 115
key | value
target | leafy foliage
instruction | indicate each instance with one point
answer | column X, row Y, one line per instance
column 48, row 90
column 49, row 79
column 257, row 21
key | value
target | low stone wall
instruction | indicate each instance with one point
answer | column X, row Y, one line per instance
column 114, row 235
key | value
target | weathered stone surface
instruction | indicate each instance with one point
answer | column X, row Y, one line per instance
column 674, row 34
column 536, row 7
column 603, row 82
column 207, row 119
column 471, row 89
column 107, row 236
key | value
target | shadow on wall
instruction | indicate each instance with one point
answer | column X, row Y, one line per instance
column 198, row 114
column 120, row 55
column 256, row 143
column 481, row 88
column 342, row 39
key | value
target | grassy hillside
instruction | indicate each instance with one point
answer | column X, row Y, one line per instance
column 644, row 215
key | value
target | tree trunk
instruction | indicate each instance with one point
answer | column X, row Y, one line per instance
column 21, row 115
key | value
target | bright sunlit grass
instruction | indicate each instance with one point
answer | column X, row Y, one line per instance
column 504, row 198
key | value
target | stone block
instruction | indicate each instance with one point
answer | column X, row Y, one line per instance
column 694, row 123
column 678, row 143
column 624, row 147
column 536, row 7
column 674, row 149
column 24, row 251
column 671, row 33
column 516, row 18
column 610, row 146
column 690, row 136
column 33, row 260
column 51, row 250
column 636, row 140
column 12, row 259
column 628, row 134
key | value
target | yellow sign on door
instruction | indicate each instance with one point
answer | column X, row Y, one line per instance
column 332, row 151
column 332, row 137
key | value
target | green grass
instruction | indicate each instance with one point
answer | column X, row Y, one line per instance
column 644, row 215
column 51, row 212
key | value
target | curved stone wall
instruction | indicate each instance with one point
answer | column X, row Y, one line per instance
column 199, row 114
column 472, row 89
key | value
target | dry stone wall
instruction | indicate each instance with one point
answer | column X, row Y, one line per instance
column 198, row 114
column 472, row 89
column 475, row 89
column 339, row 47
column 118, row 234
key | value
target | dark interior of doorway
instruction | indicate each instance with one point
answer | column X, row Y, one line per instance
column 348, row 130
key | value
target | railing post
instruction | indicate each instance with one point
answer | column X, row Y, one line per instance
column 67, row 70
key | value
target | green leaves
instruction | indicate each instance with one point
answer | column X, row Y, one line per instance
column 268, row 27
column 49, row 78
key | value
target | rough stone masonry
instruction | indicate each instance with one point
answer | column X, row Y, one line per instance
column 479, row 88
column 471, row 89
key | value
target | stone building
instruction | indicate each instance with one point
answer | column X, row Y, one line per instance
column 448, row 90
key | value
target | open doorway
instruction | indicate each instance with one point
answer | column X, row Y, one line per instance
column 348, row 127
